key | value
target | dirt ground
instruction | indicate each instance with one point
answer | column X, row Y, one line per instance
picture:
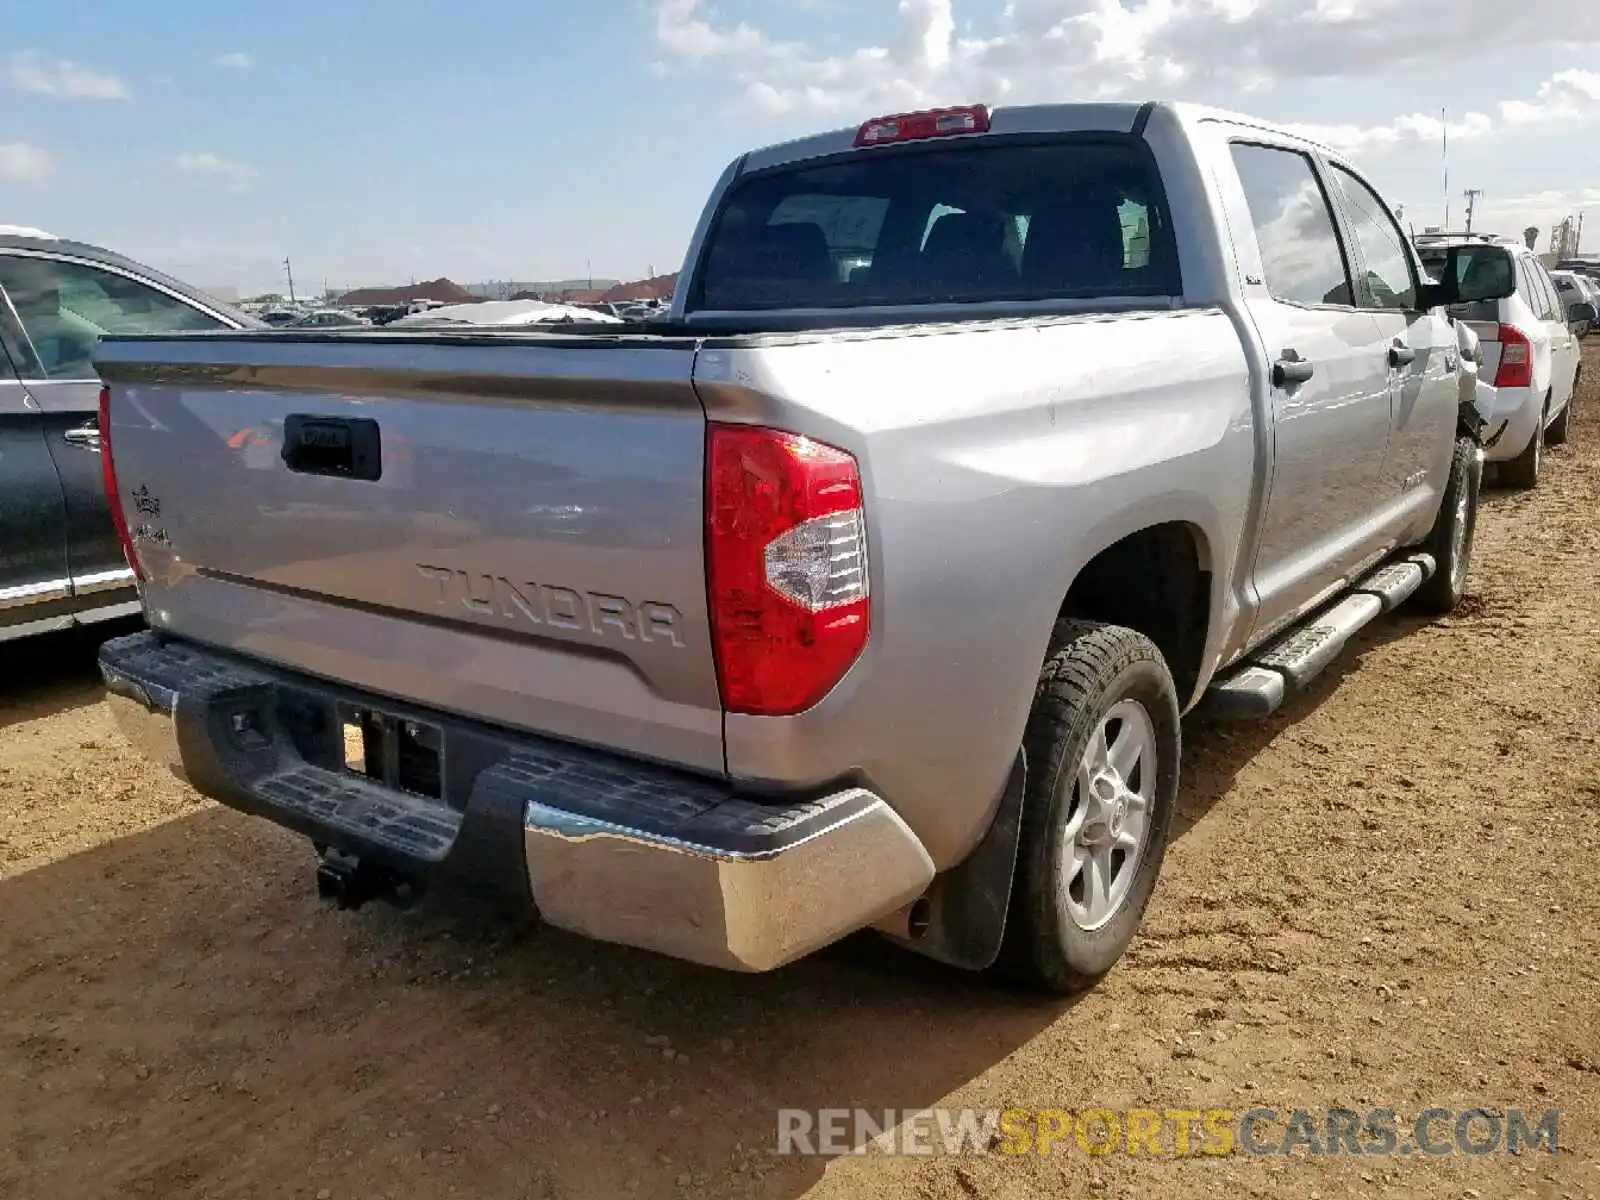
column 1385, row 896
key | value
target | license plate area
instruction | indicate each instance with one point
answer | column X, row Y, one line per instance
column 397, row 752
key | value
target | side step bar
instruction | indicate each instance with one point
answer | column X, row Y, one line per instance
column 1259, row 685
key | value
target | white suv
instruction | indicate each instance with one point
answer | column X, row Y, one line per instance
column 1530, row 360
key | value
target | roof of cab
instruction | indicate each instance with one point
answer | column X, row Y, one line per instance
column 1120, row 116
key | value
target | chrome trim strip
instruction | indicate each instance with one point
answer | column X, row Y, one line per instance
column 35, row 593
column 111, row 612
column 27, row 629
column 102, row 581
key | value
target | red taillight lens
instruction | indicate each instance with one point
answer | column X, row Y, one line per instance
column 786, row 560
column 1516, row 359
column 108, row 473
column 935, row 122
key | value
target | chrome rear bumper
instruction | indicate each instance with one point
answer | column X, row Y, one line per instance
column 605, row 847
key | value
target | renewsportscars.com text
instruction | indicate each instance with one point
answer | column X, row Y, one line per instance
column 1167, row 1131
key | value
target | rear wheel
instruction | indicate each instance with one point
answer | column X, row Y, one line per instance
column 1450, row 542
column 1561, row 428
column 1103, row 744
column 1524, row 470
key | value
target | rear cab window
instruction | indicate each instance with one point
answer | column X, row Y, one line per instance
column 963, row 221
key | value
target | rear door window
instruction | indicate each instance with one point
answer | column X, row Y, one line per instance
column 1531, row 288
column 66, row 307
column 15, row 353
column 976, row 221
column 1389, row 282
column 1547, row 289
column 1300, row 250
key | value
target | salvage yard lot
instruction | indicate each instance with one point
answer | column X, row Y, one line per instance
column 1385, row 896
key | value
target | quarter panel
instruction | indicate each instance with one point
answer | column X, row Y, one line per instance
column 997, row 460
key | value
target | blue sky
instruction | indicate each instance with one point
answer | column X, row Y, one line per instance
column 379, row 142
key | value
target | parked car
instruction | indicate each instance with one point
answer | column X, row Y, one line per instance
column 834, row 601
column 503, row 314
column 1531, row 358
column 1583, row 266
column 61, row 562
column 329, row 318
column 1580, row 299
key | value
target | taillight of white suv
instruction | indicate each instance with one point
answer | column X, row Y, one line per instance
column 1516, row 358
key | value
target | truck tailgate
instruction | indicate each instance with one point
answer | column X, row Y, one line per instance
column 505, row 527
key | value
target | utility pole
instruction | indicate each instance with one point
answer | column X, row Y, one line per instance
column 1472, row 195
column 290, row 273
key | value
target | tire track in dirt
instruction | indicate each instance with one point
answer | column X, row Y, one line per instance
column 1382, row 896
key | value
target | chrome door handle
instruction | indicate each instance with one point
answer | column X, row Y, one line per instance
column 87, row 436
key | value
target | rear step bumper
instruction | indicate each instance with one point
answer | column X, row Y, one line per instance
column 603, row 846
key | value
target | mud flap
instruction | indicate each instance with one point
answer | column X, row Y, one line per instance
column 967, row 905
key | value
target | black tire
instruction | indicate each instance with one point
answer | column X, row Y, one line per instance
column 1561, row 428
column 1524, row 470
column 1091, row 668
column 1450, row 542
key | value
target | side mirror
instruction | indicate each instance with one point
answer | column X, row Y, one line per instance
column 1580, row 312
column 1471, row 273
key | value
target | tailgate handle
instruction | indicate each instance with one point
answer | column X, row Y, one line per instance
column 344, row 447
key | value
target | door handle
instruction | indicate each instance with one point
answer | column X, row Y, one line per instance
column 1290, row 369
column 87, row 436
column 1400, row 354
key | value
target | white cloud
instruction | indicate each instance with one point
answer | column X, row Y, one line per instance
column 62, row 78
column 23, row 163
column 681, row 31
column 1511, row 214
column 1565, row 96
column 235, row 60
column 1041, row 49
column 236, row 175
column 1412, row 129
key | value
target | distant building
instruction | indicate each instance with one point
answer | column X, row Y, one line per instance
column 228, row 295
column 657, row 287
column 510, row 289
column 443, row 290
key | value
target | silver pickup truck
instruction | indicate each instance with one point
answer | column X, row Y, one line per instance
column 865, row 592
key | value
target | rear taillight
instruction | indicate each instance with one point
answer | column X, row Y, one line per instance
column 1516, row 359
column 108, row 473
column 786, row 562
column 934, row 122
